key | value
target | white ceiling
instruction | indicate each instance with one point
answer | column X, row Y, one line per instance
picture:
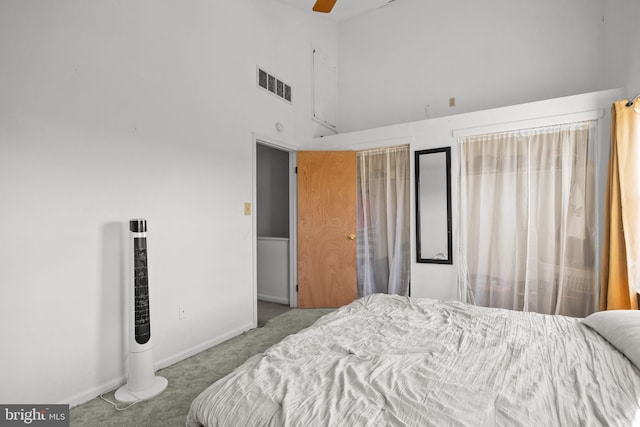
column 344, row 9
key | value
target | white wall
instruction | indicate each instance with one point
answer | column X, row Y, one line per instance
column 621, row 49
column 281, row 40
column 633, row 55
column 123, row 109
column 273, row 269
column 400, row 59
column 440, row 281
column 616, row 42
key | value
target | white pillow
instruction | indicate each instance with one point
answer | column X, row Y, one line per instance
column 621, row 328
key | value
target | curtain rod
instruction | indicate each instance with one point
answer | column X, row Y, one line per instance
column 529, row 123
column 630, row 103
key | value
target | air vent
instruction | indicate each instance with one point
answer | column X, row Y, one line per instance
column 274, row 85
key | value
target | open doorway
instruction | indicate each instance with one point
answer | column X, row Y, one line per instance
column 274, row 231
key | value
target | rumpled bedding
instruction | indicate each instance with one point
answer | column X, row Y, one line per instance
column 397, row 361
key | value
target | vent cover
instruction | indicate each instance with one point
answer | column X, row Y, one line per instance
column 274, row 85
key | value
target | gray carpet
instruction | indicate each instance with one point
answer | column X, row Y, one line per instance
column 191, row 376
column 268, row 310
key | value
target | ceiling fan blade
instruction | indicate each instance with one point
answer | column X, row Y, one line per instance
column 323, row 6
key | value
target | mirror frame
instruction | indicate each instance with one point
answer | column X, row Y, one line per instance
column 419, row 258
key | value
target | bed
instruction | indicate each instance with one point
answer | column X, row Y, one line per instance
column 396, row 361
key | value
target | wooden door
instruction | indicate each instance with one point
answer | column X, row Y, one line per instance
column 326, row 228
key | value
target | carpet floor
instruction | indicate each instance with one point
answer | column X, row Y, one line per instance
column 191, row 376
column 268, row 310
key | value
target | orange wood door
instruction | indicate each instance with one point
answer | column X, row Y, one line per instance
column 326, row 228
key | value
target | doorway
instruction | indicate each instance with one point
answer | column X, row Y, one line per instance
column 353, row 224
column 274, row 231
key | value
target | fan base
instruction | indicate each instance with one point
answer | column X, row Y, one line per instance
column 123, row 394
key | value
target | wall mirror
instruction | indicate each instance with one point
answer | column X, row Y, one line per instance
column 434, row 243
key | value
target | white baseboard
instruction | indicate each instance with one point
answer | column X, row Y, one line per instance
column 114, row 383
column 201, row 347
column 270, row 298
column 94, row 392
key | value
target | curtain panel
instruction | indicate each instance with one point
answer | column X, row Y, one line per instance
column 382, row 195
column 621, row 249
column 528, row 220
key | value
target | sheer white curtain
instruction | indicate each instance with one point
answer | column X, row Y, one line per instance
column 383, row 221
column 528, row 219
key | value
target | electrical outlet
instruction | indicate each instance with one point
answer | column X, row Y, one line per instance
column 452, row 102
column 247, row 208
column 182, row 312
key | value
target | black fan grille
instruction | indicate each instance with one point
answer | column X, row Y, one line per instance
column 142, row 320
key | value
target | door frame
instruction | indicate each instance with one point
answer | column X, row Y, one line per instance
column 293, row 215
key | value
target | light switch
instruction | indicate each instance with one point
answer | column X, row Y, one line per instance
column 247, row 208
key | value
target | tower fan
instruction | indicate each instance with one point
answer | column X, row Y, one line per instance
column 142, row 383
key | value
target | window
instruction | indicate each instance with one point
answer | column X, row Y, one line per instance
column 528, row 225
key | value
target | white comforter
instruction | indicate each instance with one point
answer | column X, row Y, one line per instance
column 395, row 361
